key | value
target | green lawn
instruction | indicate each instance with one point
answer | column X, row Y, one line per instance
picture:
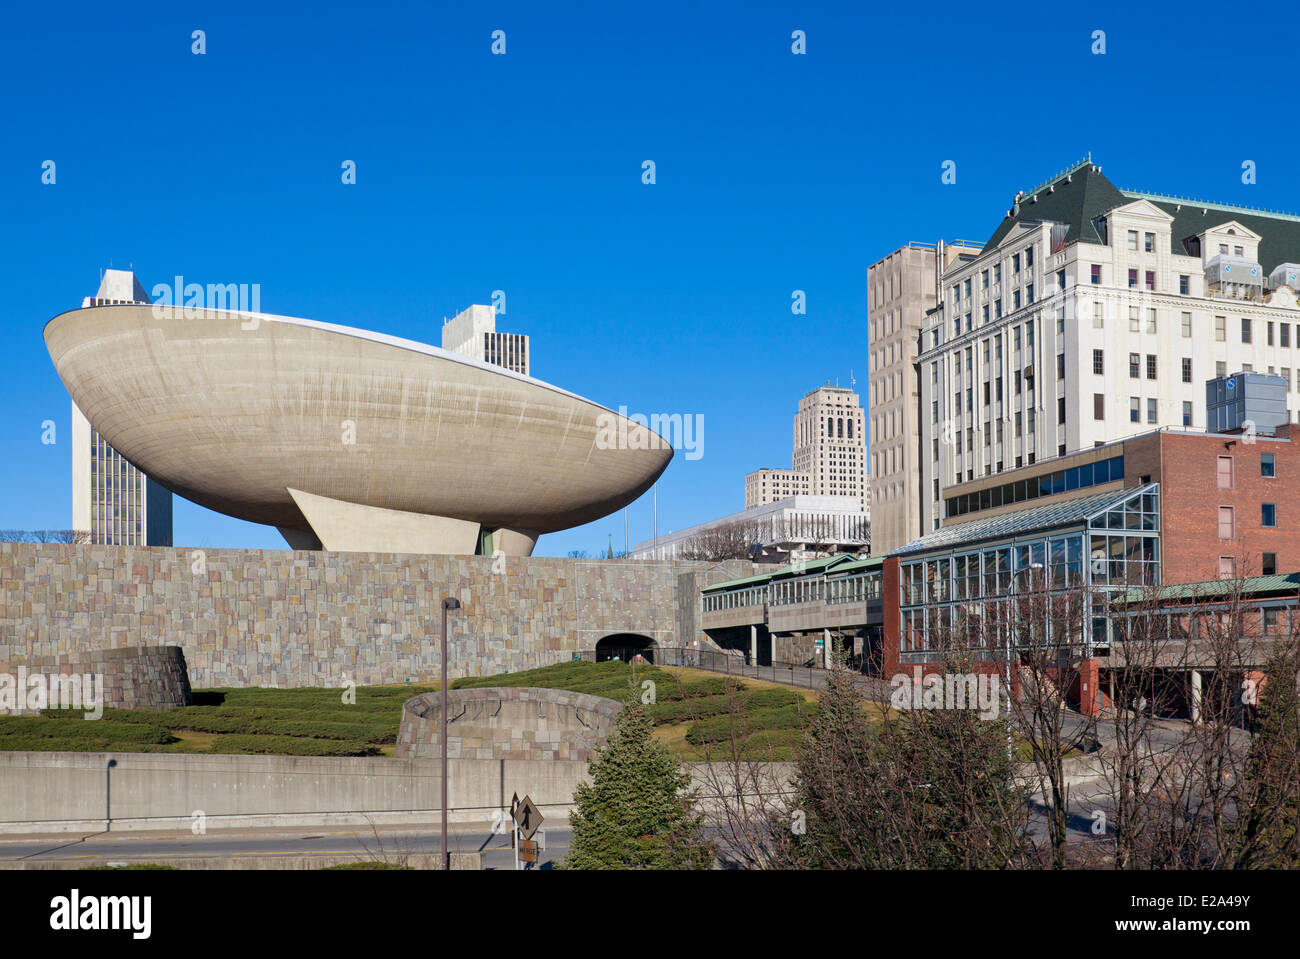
column 694, row 714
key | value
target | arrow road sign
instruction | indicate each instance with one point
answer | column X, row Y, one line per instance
column 527, row 817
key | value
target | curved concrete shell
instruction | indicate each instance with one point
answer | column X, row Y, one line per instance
column 345, row 438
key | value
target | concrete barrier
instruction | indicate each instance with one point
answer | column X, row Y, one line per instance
column 66, row 792
column 459, row 861
column 51, row 792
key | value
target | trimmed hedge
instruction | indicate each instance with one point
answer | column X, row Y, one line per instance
column 291, row 746
column 719, row 728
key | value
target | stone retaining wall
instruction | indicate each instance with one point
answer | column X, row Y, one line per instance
column 138, row 677
column 249, row 617
column 507, row 722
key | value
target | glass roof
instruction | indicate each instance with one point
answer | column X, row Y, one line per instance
column 1071, row 512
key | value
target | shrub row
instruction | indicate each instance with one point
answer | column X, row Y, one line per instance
column 291, row 746
column 719, row 728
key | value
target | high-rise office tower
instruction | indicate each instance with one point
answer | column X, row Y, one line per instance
column 901, row 289
column 113, row 502
column 473, row 333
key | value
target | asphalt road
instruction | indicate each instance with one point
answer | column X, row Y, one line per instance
column 363, row 844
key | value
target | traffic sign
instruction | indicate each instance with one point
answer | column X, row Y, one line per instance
column 527, row 817
column 529, row 851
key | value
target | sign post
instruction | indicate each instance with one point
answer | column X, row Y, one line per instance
column 527, row 819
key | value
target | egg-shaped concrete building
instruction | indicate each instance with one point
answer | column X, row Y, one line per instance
column 347, row 439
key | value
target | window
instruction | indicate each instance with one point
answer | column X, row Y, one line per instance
column 1015, row 338
column 984, row 280
column 997, row 272
column 1245, row 329
column 1285, row 334
column 1015, row 299
column 1267, row 514
column 1227, row 523
column 1267, row 465
column 1151, row 366
column 1187, row 369
column 1187, row 324
column 1060, row 366
column 1237, row 251
column 1096, row 274
column 1133, row 278
column 1099, row 362
column 1060, row 411
column 1134, row 365
column 1220, row 328
column 1151, row 280
column 1220, row 368
column 1134, row 323
column 1268, row 566
column 1029, row 333
column 1018, row 374
column 1019, row 423
column 1060, row 279
column 1098, row 406
column 1227, row 567
column 1149, row 242
column 1098, row 316
column 968, row 288
column 956, row 291
column 1015, row 262
column 1151, row 410
column 1029, row 293
column 1184, row 284
column 1029, row 256
column 1134, row 410
column 1133, row 239
column 1151, row 321
column 1187, row 413
column 1225, row 472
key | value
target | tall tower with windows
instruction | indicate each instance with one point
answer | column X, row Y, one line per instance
column 113, row 502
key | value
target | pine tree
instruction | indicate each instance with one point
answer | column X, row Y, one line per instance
column 636, row 813
column 1269, row 834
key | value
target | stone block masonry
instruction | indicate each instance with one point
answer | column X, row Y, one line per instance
column 300, row 618
column 507, row 722
column 135, row 677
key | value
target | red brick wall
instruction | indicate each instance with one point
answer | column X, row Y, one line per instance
column 1190, row 501
column 889, row 632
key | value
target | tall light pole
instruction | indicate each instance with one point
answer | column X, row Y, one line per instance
column 448, row 603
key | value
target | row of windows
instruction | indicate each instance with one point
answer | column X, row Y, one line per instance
column 831, row 589
column 1113, row 559
column 1049, row 484
column 1228, row 519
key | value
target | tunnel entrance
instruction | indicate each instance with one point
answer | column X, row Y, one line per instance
column 625, row 647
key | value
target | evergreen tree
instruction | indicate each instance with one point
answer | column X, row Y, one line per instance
column 917, row 789
column 1269, row 834
column 636, row 813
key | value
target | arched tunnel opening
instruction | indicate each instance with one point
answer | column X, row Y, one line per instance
column 625, row 647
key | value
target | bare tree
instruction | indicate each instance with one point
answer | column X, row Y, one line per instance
column 725, row 541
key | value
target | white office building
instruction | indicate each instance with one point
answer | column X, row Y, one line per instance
column 1094, row 313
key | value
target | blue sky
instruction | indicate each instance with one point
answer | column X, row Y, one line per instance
column 522, row 172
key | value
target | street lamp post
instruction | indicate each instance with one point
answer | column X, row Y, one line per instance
column 448, row 603
column 108, row 795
